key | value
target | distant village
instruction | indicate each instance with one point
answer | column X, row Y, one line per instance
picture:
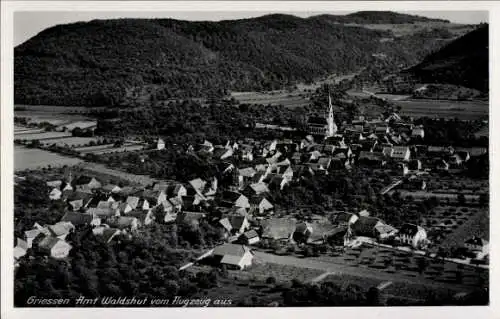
column 244, row 211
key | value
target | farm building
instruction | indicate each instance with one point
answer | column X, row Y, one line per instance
column 344, row 219
column 233, row 256
column 250, row 237
column 413, row 235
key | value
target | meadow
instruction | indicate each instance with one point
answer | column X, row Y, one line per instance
column 289, row 100
column 463, row 110
column 33, row 158
column 41, row 136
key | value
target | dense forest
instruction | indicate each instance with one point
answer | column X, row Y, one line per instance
column 88, row 64
column 464, row 62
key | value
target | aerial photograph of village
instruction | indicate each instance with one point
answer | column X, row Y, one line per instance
column 267, row 160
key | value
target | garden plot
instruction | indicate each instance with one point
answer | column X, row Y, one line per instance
column 457, row 223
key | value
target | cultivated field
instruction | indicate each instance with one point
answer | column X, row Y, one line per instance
column 113, row 173
column 463, row 110
column 70, row 141
column 290, row 100
column 41, row 136
column 125, row 148
column 33, row 158
column 92, row 149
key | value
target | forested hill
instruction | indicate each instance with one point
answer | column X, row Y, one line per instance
column 464, row 62
column 111, row 62
column 380, row 17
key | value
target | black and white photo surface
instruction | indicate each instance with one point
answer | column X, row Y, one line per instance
column 250, row 159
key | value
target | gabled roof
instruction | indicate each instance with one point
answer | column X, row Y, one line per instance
column 247, row 172
column 61, row 228
column 76, row 218
column 231, row 196
column 237, row 221
column 342, row 217
column 198, row 184
column 226, row 224
column 250, row 234
column 133, row 201
column 259, row 188
column 49, row 242
column 231, row 250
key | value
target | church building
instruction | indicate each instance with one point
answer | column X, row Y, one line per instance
column 323, row 126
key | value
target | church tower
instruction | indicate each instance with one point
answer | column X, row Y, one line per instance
column 332, row 127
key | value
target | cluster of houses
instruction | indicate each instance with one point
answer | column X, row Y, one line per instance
column 237, row 199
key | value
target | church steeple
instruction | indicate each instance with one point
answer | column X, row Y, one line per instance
column 332, row 127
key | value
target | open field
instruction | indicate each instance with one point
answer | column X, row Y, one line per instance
column 133, row 178
column 70, row 141
column 423, row 195
column 91, row 149
column 41, row 136
column 463, row 110
column 290, row 100
column 125, row 148
column 33, row 158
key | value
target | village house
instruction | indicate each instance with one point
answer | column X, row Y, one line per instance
column 54, row 184
column 418, row 132
column 373, row 227
column 233, row 256
column 239, row 224
column 154, row 197
column 235, row 199
column 413, row 235
column 20, row 250
column 55, row 247
column 371, row 159
column 81, row 219
column 128, row 223
column 401, row 153
column 110, row 189
column 249, row 238
column 344, row 219
column 144, row 218
column 222, row 153
column 478, row 246
column 160, row 144
column 87, row 182
column 256, row 189
column 55, row 194
column 61, row 229
column 302, row 232
column 259, row 205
